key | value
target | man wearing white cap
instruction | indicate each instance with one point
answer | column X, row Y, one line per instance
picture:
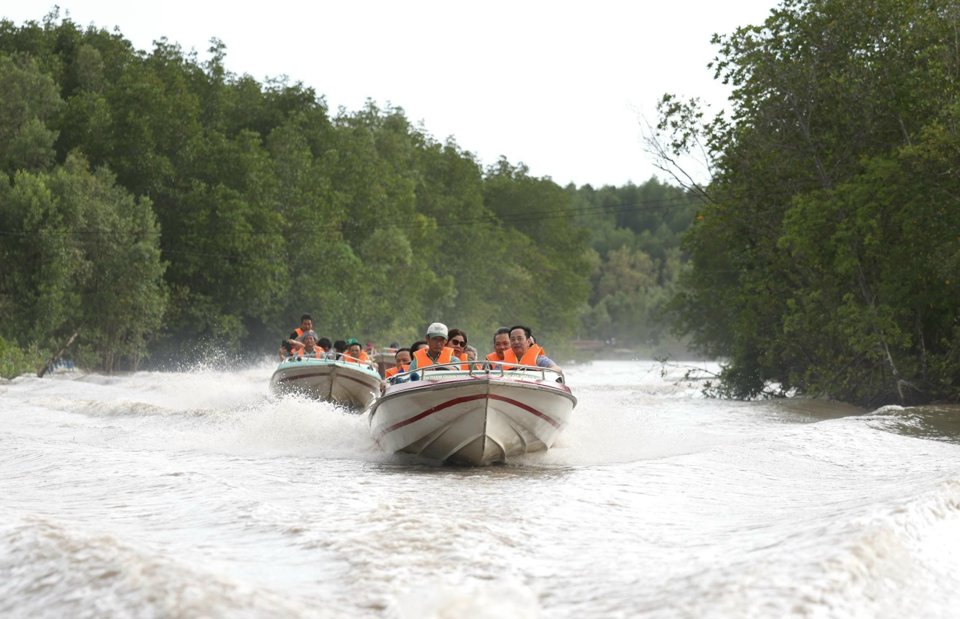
column 436, row 351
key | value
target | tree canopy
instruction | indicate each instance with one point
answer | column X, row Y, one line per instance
column 825, row 258
column 169, row 209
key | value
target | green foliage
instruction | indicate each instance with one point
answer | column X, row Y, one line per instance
column 635, row 234
column 168, row 208
column 15, row 361
column 82, row 255
column 30, row 99
column 822, row 262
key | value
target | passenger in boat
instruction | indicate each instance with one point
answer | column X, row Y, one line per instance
column 436, row 352
column 457, row 340
column 326, row 345
column 310, row 349
column 472, row 356
column 418, row 345
column 293, row 343
column 354, row 354
column 501, row 344
column 523, row 351
column 402, row 358
column 339, row 348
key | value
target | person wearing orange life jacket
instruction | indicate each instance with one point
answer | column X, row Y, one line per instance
column 523, row 352
column 501, row 344
column 402, row 358
column 436, row 352
column 293, row 343
column 354, row 354
column 310, row 349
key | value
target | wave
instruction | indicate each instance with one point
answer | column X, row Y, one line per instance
column 55, row 570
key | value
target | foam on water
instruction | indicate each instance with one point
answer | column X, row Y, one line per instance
column 196, row 493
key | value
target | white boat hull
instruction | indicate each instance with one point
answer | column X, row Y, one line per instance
column 350, row 384
column 475, row 418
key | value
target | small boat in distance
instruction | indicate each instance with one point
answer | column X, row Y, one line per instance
column 350, row 383
column 473, row 417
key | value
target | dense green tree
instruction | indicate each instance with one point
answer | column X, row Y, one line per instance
column 815, row 222
column 263, row 206
column 81, row 255
column 30, row 99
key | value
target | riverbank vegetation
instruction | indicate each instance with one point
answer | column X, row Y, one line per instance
column 826, row 258
column 168, row 210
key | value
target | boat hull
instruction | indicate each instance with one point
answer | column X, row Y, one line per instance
column 472, row 418
column 344, row 383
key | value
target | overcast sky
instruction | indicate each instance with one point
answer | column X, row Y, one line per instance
column 560, row 86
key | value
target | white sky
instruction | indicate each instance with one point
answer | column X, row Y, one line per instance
column 560, row 86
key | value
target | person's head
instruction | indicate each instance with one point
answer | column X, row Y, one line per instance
column 436, row 337
column 457, row 340
column 340, row 346
column 417, row 346
column 325, row 343
column 520, row 339
column 309, row 339
column 353, row 347
column 471, row 353
column 402, row 356
column 306, row 322
column 501, row 341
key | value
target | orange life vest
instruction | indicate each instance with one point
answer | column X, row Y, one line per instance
column 494, row 357
column 297, row 344
column 395, row 370
column 316, row 354
column 529, row 357
column 351, row 359
column 446, row 356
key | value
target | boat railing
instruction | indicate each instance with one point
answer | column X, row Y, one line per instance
column 479, row 369
column 336, row 356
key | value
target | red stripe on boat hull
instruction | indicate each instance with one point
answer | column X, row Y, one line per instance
column 461, row 400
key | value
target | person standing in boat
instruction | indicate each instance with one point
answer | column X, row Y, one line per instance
column 524, row 352
column 436, row 352
column 354, row 354
column 501, row 344
column 293, row 343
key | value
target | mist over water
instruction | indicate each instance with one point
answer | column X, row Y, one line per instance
column 197, row 494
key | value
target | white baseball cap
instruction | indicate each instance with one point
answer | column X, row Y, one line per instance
column 437, row 328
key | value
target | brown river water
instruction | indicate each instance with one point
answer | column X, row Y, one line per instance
column 197, row 494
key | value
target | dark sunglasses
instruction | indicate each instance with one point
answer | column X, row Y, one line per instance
column 458, row 342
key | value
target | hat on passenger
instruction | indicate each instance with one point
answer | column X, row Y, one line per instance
column 351, row 341
column 437, row 328
column 307, row 334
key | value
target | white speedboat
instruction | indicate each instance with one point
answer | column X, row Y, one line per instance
column 349, row 383
column 474, row 417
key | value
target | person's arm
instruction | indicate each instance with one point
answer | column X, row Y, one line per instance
column 544, row 361
column 410, row 370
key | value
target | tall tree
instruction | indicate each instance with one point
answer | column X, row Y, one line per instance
column 825, row 92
